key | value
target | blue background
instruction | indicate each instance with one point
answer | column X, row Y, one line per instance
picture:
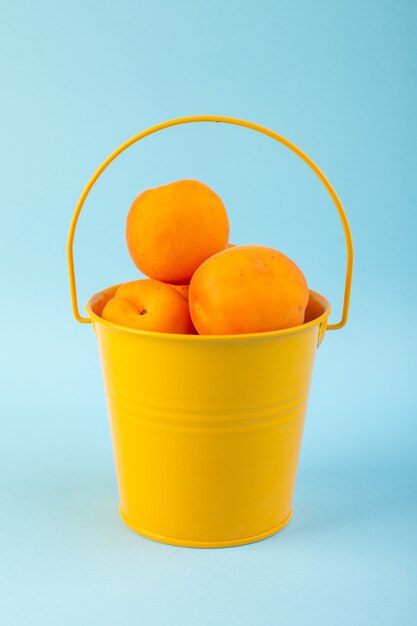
column 338, row 79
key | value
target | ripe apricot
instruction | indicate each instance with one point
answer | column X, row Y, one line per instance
column 247, row 289
column 172, row 229
column 149, row 305
column 182, row 289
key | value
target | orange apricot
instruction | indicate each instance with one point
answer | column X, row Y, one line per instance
column 182, row 289
column 247, row 289
column 172, row 229
column 149, row 305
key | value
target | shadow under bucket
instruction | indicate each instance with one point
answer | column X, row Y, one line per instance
column 207, row 430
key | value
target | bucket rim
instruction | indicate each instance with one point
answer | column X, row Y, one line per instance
column 207, row 338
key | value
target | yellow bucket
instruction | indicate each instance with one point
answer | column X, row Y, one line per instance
column 207, row 429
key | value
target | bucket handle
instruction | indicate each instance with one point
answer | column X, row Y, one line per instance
column 224, row 120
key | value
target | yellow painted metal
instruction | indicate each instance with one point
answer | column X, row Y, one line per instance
column 225, row 120
column 207, row 429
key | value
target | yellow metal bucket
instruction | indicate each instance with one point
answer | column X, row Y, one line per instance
column 207, row 429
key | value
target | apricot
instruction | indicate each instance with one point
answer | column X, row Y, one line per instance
column 172, row 229
column 149, row 305
column 182, row 289
column 247, row 289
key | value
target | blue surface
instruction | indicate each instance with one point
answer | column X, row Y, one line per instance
column 339, row 80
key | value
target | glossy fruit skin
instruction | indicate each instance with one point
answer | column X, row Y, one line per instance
column 172, row 229
column 247, row 289
column 149, row 305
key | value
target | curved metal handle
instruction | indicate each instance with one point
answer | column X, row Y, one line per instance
column 225, row 120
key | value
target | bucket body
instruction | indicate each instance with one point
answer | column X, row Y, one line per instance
column 207, row 430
